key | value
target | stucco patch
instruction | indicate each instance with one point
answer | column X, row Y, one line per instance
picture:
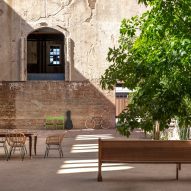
column 92, row 3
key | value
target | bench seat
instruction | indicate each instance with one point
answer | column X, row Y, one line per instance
column 144, row 151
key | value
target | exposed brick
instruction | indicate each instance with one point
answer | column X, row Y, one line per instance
column 26, row 104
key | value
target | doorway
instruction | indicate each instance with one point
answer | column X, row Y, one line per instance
column 45, row 55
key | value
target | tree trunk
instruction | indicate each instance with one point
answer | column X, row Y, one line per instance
column 156, row 131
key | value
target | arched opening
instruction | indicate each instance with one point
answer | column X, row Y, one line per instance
column 45, row 55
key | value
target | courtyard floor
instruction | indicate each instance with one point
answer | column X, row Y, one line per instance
column 77, row 170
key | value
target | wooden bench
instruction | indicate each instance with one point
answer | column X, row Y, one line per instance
column 144, row 151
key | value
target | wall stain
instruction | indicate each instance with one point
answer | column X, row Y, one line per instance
column 92, row 3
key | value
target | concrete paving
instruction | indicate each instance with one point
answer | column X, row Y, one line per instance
column 77, row 170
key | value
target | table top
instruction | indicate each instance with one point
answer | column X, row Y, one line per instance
column 26, row 133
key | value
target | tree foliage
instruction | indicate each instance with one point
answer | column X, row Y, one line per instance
column 153, row 58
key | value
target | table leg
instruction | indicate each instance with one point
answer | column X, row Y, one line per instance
column 30, row 146
column 35, row 142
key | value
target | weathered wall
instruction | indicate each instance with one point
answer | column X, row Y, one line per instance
column 26, row 104
column 91, row 26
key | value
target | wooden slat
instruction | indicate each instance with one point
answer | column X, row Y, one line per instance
column 121, row 103
column 144, row 151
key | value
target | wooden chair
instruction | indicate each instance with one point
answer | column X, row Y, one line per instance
column 16, row 140
column 3, row 144
column 54, row 142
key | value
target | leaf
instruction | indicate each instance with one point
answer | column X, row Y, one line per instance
column 154, row 59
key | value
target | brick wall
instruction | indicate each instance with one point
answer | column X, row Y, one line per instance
column 26, row 104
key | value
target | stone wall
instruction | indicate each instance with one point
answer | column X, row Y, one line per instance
column 26, row 104
column 90, row 27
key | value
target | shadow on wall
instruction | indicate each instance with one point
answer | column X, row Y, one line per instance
column 33, row 101
column 10, row 41
column 7, row 106
column 10, row 55
column 26, row 104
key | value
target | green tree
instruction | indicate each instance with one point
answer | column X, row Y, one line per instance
column 153, row 58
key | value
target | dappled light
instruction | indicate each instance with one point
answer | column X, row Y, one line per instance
column 91, row 165
column 93, row 137
column 84, row 148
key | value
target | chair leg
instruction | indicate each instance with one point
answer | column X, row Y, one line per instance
column 48, row 148
column 23, row 150
column 13, row 150
column 46, row 151
column 9, row 153
column 6, row 151
column 60, row 151
column 61, row 154
column 21, row 153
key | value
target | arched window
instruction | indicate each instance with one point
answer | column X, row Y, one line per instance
column 45, row 55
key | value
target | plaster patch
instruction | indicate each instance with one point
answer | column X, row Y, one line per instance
column 92, row 3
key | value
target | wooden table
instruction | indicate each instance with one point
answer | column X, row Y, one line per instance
column 30, row 135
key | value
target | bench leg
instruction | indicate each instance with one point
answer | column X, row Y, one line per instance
column 99, row 177
column 178, row 167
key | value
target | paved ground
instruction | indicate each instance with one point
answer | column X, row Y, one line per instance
column 77, row 171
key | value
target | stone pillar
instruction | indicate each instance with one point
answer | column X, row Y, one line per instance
column 68, row 60
column 23, row 59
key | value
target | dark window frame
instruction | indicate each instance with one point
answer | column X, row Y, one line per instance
column 55, row 55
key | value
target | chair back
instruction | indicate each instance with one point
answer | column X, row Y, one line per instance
column 2, row 139
column 16, row 138
column 54, row 139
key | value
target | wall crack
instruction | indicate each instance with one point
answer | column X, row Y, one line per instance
column 91, row 4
